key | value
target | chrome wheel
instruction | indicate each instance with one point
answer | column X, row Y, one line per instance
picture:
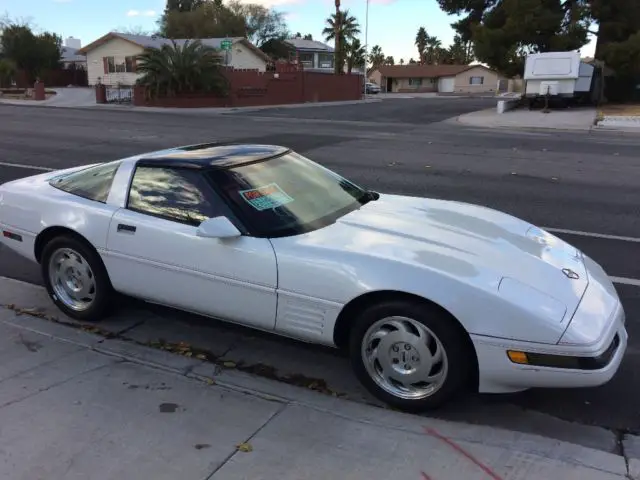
column 404, row 358
column 72, row 279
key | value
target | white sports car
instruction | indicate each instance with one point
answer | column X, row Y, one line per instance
column 428, row 296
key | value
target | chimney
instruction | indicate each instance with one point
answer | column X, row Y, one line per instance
column 72, row 42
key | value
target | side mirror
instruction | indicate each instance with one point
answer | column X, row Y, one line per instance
column 218, row 227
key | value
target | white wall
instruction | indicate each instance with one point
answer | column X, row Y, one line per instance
column 117, row 48
column 240, row 56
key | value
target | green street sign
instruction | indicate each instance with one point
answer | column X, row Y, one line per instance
column 225, row 44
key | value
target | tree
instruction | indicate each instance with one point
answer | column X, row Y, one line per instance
column 175, row 69
column 401, row 61
column 356, row 55
column 33, row 53
column 7, row 71
column 433, row 52
column 183, row 5
column 376, row 57
column 422, row 38
column 308, row 36
column 459, row 52
column 347, row 28
column 134, row 30
column 261, row 24
column 208, row 20
column 504, row 31
column 412, row 61
column 389, row 60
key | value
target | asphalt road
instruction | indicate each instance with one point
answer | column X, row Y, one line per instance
column 580, row 182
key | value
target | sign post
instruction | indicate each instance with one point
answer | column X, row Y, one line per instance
column 225, row 45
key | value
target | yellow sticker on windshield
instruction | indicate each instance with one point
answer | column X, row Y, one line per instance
column 265, row 198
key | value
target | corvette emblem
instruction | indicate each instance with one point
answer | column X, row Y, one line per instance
column 570, row 274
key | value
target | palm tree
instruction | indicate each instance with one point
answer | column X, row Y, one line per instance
column 422, row 39
column 174, row 69
column 347, row 28
column 402, row 61
column 376, row 57
column 356, row 55
column 434, row 45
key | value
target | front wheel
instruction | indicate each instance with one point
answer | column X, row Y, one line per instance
column 76, row 279
column 410, row 355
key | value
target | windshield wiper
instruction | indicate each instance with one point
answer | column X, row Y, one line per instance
column 369, row 196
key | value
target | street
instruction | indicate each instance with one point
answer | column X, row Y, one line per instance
column 584, row 187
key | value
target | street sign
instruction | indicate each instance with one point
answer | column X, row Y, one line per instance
column 225, row 44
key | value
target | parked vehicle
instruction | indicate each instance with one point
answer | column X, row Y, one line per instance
column 371, row 88
column 429, row 297
column 559, row 76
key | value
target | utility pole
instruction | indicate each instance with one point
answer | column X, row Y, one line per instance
column 337, row 55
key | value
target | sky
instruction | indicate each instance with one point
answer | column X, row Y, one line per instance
column 392, row 24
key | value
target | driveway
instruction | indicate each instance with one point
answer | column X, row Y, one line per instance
column 418, row 111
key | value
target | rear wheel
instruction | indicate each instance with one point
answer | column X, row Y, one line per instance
column 76, row 279
column 410, row 355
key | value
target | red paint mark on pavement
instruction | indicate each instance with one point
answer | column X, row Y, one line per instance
column 424, row 476
column 464, row 453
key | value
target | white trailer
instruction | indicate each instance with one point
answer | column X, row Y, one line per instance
column 559, row 75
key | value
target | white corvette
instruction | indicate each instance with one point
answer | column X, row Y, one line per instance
column 428, row 296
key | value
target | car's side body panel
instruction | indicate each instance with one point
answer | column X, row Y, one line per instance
column 166, row 262
column 30, row 206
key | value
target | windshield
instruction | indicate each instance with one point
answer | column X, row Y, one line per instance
column 287, row 195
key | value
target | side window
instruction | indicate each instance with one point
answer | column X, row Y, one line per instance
column 93, row 183
column 180, row 195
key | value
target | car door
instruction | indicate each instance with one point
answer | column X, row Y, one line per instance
column 153, row 251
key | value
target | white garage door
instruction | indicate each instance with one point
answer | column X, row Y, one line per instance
column 446, row 84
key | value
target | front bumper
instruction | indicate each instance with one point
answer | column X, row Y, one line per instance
column 498, row 374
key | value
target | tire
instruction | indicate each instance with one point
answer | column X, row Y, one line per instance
column 411, row 317
column 90, row 277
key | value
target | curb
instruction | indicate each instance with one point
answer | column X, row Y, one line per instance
column 271, row 390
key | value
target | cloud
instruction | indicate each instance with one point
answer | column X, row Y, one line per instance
column 138, row 13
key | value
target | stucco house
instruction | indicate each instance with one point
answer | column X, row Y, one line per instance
column 112, row 57
column 71, row 58
column 311, row 54
column 416, row 78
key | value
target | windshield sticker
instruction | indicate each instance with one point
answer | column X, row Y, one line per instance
column 266, row 198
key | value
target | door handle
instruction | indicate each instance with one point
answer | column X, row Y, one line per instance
column 126, row 228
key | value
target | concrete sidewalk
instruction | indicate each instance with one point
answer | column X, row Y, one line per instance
column 575, row 119
column 78, row 405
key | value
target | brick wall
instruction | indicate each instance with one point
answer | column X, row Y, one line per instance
column 288, row 84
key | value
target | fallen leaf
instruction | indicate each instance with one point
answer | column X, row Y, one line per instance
column 554, row 178
column 427, row 166
column 230, row 364
column 201, row 356
column 210, row 381
column 245, row 447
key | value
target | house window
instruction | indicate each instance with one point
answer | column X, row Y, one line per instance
column 119, row 66
column 415, row 82
column 476, row 80
column 306, row 59
column 130, row 64
column 110, row 63
column 325, row 60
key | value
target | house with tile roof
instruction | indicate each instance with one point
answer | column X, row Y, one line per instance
column 111, row 59
column 416, row 78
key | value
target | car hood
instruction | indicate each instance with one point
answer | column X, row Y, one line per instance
column 466, row 241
